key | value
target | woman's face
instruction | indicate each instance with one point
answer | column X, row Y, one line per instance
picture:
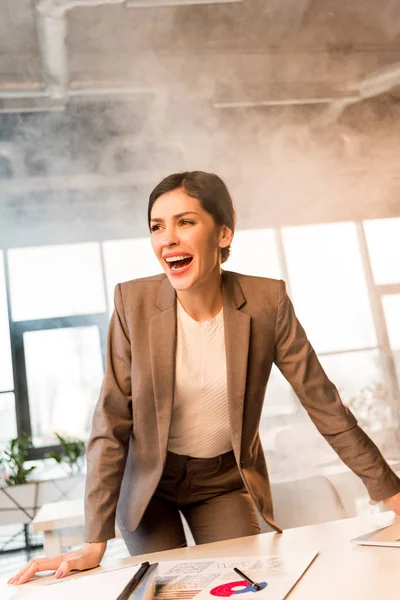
column 186, row 239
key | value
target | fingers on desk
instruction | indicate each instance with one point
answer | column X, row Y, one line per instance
column 36, row 566
column 67, row 565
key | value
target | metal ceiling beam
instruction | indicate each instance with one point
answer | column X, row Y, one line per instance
column 52, row 33
column 285, row 102
column 51, row 22
column 379, row 82
column 51, row 16
column 60, row 7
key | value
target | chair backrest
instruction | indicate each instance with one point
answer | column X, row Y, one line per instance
column 306, row 502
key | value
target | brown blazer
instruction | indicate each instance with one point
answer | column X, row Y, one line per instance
column 128, row 444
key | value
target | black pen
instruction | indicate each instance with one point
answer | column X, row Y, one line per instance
column 134, row 582
column 252, row 583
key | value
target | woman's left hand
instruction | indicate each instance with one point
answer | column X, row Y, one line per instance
column 393, row 503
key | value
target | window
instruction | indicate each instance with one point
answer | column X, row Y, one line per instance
column 254, row 252
column 128, row 259
column 383, row 238
column 58, row 330
column 353, row 372
column 6, row 373
column 391, row 307
column 55, row 281
column 59, row 297
column 64, row 372
column 8, row 427
column 326, row 278
column 8, row 421
column 280, row 399
column 328, row 286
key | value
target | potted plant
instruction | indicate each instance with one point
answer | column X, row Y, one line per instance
column 21, row 496
column 71, row 454
column 12, row 461
column 18, row 497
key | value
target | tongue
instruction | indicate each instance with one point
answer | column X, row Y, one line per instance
column 181, row 263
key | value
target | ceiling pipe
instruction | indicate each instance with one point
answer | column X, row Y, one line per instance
column 372, row 85
column 52, row 32
column 9, row 94
column 52, row 35
column 59, row 7
column 379, row 82
column 51, row 22
column 51, row 18
column 283, row 102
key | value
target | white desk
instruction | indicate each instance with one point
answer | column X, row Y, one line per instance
column 341, row 571
column 62, row 524
column 58, row 520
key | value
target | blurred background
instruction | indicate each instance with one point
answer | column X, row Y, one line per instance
column 294, row 103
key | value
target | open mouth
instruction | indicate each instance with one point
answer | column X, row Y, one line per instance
column 177, row 263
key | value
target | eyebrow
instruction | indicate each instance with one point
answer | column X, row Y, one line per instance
column 182, row 214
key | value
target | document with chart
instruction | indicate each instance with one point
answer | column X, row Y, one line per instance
column 199, row 579
column 216, row 578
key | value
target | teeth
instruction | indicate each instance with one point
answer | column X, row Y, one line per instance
column 174, row 258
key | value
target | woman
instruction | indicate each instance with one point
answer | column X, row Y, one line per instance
column 189, row 356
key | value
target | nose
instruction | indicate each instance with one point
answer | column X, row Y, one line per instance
column 170, row 238
column 169, row 244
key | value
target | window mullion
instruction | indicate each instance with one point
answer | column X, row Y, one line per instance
column 18, row 365
column 388, row 364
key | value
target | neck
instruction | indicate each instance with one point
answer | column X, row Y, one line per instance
column 203, row 302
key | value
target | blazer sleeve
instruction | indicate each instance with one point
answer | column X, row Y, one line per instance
column 108, row 444
column 297, row 361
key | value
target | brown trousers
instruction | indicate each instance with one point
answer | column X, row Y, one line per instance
column 211, row 495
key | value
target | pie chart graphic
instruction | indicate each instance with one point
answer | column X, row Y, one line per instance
column 226, row 590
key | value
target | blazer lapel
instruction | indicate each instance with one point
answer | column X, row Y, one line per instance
column 237, row 339
column 162, row 338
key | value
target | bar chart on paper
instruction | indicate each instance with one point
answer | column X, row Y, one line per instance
column 215, row 578
column 199, row 579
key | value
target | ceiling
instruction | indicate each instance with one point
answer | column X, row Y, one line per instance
column 246, row 52
column 294, row 102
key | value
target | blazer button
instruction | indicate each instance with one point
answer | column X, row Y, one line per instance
column 242, row 464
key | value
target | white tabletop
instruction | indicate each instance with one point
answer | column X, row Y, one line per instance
column 341, row 570
column 54, row 515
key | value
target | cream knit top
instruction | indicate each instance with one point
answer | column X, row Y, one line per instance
column 200, row 417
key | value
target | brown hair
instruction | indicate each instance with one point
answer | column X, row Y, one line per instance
column 211, row 192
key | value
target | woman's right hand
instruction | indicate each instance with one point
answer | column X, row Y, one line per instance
column 86, row 557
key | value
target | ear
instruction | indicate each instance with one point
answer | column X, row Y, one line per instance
column 225, row 236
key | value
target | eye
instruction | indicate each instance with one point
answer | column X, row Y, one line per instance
column 186, row 222
column 154, row 227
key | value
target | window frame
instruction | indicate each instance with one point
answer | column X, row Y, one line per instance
column 375, row 294
column 17, row 330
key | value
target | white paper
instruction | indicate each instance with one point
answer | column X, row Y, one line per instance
column 100, row 586
column 183, row 580
column 276, row 575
